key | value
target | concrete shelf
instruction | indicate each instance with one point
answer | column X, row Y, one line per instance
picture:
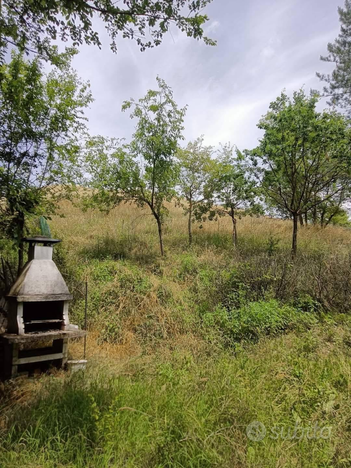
column 36, row 336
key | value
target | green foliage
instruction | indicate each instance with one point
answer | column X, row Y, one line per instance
column 233, row 188
column 331, row 212
column 272, row 245
column 116, row 290
column 42, row 119
column 194, row 167
column 304, row 156
column 144, row 171
column 255, row 319
column 189, row 266
column 306, row 303
column 338, row 87
column 33, row 24
column 341, row 218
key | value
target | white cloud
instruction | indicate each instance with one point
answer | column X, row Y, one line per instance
column 263, row 47
column 267, row 52
column 212, row 26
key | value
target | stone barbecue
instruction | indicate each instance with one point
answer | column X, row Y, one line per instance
column 38, row 322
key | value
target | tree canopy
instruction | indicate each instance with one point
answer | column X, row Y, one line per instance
column 41, row 120
column 32, row 25
column 338, row 83
column 233, row 188
column 195, row 164
column 143, row 171
column 305, row 155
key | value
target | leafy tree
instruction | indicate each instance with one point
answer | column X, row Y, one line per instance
column 145, row 171
column 235, row 190
column 31, row 25
column 332, row 214
column 194, row 163
column 41, row 119
column 338, row 83
column 304, row 156
column 341, row 219
column 331, row 209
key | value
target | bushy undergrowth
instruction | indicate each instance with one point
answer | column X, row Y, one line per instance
column 255, row 319
column 185, row 292
column 135, row 293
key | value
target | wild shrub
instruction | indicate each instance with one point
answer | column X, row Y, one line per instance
column 255, row 319
column 323, row 280
column 272, row 245
column 189, row 265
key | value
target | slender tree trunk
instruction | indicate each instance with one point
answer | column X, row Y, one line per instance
column 189, row 222
column 160, row 236
column 301, row 220
column 235, row 232
column 328, row 221
column 20, row 245
column 322, row 218
column 294, row 236
column 306, row 218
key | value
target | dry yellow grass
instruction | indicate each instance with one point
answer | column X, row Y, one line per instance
column 81, row 229
column 85, row 234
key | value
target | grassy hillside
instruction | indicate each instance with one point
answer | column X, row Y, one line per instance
column 137, row 296
column 186, row 351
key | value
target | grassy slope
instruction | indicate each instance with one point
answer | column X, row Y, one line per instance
column 170, row 382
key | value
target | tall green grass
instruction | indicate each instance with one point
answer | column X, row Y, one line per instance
column 187, row 410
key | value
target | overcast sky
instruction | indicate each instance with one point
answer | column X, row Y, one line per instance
column 263, row 47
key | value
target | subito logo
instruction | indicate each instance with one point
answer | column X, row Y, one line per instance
column 256, row 431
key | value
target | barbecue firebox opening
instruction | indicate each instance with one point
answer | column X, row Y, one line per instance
column 43, row 316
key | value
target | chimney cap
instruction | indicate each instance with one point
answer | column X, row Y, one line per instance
column 41, row 240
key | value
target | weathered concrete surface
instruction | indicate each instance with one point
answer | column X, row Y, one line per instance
column 35, row 337
column 40, row 278
column 42, row 253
